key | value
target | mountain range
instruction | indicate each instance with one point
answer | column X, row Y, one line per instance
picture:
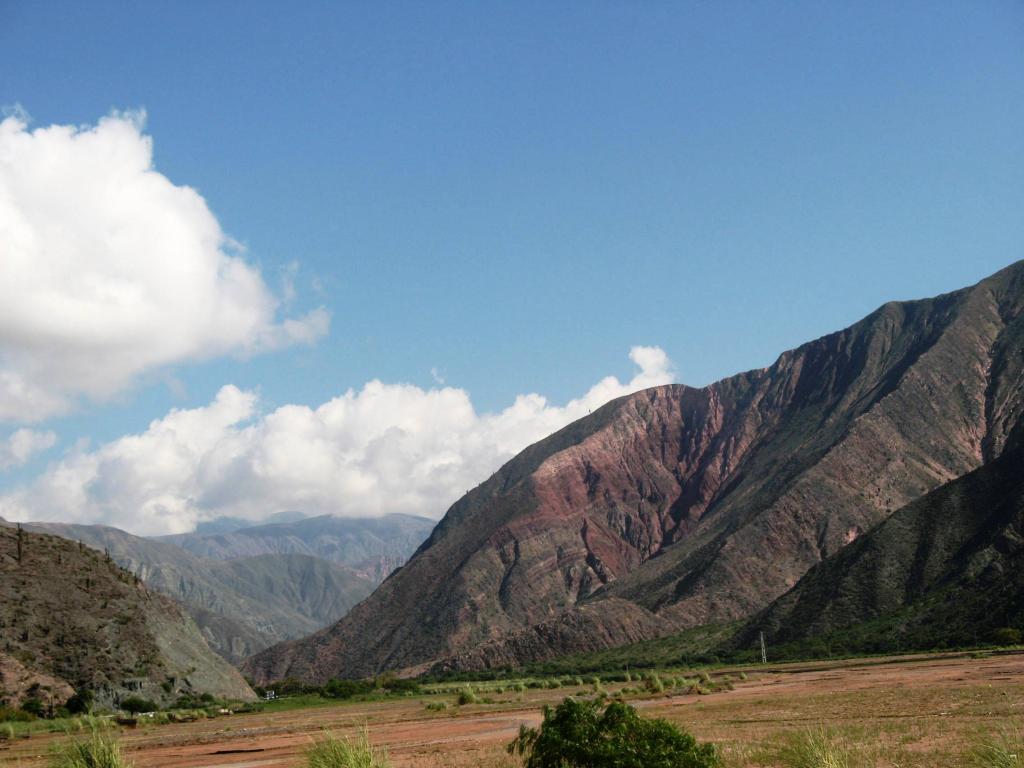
column 677, row 506
column 370, row 546
column 261, row 584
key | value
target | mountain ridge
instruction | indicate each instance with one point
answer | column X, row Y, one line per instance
column 699, row 505
column 944, row 570
column 370, row 546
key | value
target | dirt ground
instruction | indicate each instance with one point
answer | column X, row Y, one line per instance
column 915, row 711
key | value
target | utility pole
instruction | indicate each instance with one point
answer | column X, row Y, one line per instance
column 764, row 653
column 21, row 535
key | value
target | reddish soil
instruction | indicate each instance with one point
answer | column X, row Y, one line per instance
column 928, row 702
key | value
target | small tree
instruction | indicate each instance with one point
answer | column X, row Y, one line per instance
column 588, row 734
column 80, row 702
column 136, row 704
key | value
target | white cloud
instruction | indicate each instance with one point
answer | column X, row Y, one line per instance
column 384, row 448
column 22, row 444
column 110, row 270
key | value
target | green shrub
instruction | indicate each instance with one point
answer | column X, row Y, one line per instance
column 33, row 706
column 336, row 752
column 588, row 734
column 467, row 696
column 80, row 702
column 1006, row 636
column 100, row 750
column 398, row 685
column 10, row 714
column 436, row 706
column 653, row 684
column 192, row 701
column 816, row 749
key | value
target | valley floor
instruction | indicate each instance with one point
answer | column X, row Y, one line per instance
column 912, row 711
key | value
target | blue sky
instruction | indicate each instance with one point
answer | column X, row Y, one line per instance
column 515, row 194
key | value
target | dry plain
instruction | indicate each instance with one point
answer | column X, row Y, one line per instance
column 914, row 711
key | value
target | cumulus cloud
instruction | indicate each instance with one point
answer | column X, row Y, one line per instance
column 22, row 444
column 383, row 448
column 111, row 270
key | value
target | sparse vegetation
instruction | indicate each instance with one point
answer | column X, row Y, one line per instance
column 332, row 751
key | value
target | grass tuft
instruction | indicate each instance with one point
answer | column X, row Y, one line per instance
column 1001, row 749
column 99, row 750
column 816, row 749
column 336, row 752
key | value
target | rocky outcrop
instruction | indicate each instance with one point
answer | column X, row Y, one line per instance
column 695, row 505
column 18, row 683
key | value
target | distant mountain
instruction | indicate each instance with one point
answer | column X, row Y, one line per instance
column 242, row 605
column 370, row 546
column 73, row 620
column 676, row 507
column 948, row 569
column 226, row 524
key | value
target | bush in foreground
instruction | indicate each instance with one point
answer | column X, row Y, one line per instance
column 100, row 750
column 336, row 752
column 588, row 734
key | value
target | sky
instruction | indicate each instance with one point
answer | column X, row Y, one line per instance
column 350, row 257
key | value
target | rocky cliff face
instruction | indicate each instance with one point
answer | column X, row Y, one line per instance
column 678, row 506
column 72, row 618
